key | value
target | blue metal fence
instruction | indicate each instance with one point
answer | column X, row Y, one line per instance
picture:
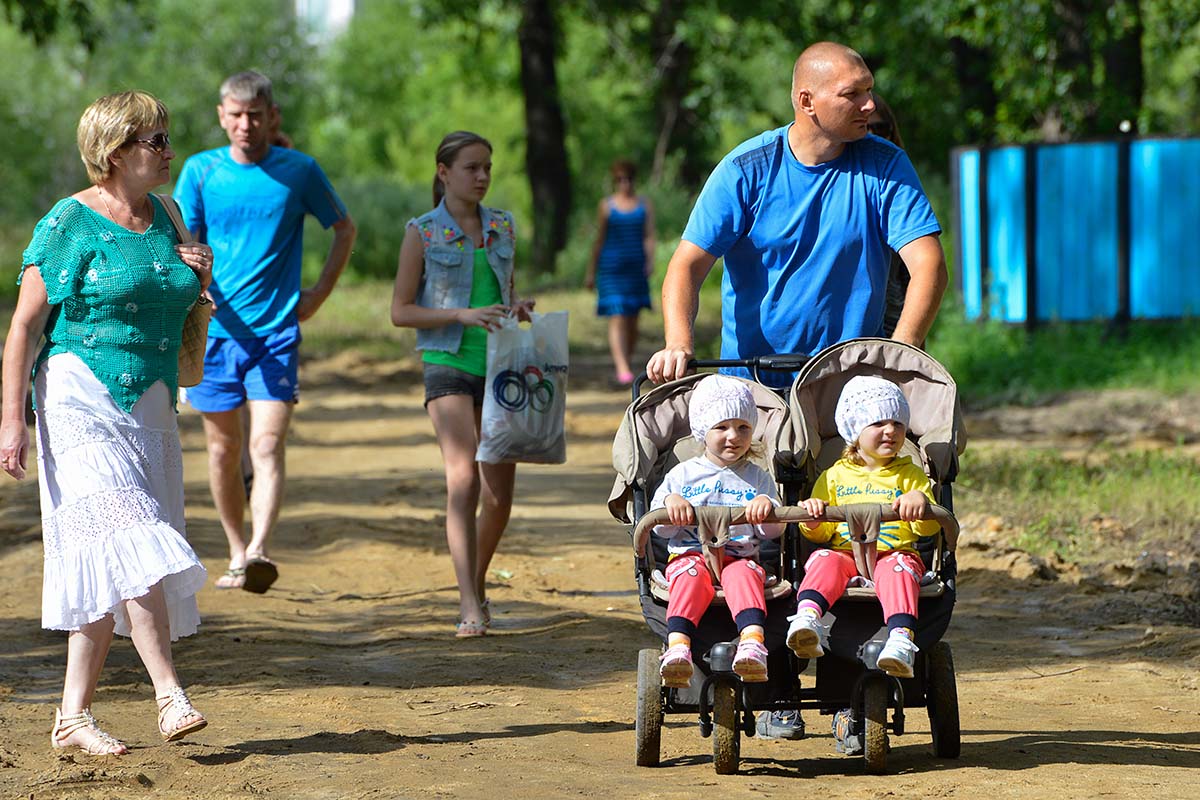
column 1089, row 231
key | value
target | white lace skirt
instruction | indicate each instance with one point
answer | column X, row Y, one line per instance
column 112, row 502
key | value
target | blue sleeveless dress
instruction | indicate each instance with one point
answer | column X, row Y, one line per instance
column 621, row 285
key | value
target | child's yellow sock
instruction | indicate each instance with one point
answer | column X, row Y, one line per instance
column 754, row 635
column 678, row 638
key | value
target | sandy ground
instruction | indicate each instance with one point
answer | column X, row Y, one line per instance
column 344, row 681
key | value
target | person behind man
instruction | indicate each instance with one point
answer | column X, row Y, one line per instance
column 803, row 216
column 248, row 201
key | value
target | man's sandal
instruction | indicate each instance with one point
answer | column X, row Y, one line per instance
column 261, row 572
column 100, row 744
column 234, row 578
column 176, row 700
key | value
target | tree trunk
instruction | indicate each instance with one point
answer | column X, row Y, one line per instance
column 1072, row 114
column 679, row 127
column 973, row 67
column 545, row 133
column 672, row 63
column 1124, row 74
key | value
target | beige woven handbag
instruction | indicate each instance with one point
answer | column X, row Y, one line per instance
column 195, row 327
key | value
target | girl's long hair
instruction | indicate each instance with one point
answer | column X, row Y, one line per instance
column 447, row 153
column 889, row 117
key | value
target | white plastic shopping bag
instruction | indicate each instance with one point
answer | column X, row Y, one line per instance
column 525, row 398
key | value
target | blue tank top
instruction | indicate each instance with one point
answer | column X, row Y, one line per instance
column 623, row 237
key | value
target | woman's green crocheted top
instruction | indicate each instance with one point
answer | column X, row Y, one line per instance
column 118, row 298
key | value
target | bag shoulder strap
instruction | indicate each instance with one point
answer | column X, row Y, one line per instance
column 172, row 209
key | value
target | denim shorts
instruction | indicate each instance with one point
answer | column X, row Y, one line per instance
column 237, row 370
column 441, row 381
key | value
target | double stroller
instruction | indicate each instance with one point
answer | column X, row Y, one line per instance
column 799, row 439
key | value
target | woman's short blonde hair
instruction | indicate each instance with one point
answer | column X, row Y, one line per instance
column 111, row 122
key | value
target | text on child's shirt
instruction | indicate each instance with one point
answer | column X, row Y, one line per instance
column 860, row 493
column 731, row 493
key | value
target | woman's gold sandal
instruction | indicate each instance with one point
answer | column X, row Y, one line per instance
column 176, row 699
column 102, row 744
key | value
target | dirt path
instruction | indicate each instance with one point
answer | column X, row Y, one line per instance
column 344, row 681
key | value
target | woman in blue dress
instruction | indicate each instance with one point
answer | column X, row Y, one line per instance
column 621, row 263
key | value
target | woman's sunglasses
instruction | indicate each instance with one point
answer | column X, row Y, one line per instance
column 158, row 142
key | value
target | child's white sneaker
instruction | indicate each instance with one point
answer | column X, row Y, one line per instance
column 897, row 656
column 750, row 661
column 676, row 668
column 807, row 636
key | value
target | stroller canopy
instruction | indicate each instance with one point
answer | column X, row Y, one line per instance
column 655, row 435
column 936, row 418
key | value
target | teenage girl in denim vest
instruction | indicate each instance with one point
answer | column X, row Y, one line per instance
column 454, row 284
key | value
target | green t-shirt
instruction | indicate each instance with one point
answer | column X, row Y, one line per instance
column 472, row 353
column 118, row 298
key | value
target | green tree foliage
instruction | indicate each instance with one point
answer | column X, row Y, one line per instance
column 176, row 49
column 41, row 19
column 400, row 78
column 671, row 84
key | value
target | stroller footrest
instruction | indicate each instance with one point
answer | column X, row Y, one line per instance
column 935, row 589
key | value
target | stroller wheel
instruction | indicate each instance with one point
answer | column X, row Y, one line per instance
column 875, row 743
column 649, row 709
column 726, row 732
column 941, row 699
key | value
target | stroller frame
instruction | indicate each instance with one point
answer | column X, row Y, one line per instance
column 731, row 711
column 725, row 706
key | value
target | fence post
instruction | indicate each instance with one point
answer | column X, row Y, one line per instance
column 1124, row 230
column 985, row 266
column 1031, row 223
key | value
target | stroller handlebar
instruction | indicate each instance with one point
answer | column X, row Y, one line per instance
column 780, row 362
column 715, row 521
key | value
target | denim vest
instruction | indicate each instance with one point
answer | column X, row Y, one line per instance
column 449, row 266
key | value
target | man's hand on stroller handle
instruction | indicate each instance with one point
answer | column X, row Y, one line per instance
column 670, row 363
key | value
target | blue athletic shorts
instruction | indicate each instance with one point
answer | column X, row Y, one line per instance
column 237, row 370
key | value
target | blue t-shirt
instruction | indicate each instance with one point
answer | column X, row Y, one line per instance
column 252, row 215
column 806, row 248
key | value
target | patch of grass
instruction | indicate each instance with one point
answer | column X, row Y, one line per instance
column 1109, row 504
column 357, row 316
column 995, row 363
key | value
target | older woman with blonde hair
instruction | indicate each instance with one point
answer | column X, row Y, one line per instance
column 107, row 285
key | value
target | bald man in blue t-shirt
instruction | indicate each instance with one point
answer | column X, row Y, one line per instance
column 248, row 202
column 804, row 217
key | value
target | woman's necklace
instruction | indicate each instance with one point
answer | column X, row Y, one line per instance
column 111, row 215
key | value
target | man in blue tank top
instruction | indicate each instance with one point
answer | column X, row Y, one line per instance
column 248, row 202
column 803, row 216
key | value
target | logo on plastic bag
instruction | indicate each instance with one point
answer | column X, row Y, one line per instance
column 513, row 390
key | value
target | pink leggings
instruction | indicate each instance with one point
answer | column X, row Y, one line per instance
column 897, row 581
column 692, row 589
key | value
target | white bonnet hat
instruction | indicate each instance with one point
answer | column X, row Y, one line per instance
column 716, row 399
column 866, row 400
